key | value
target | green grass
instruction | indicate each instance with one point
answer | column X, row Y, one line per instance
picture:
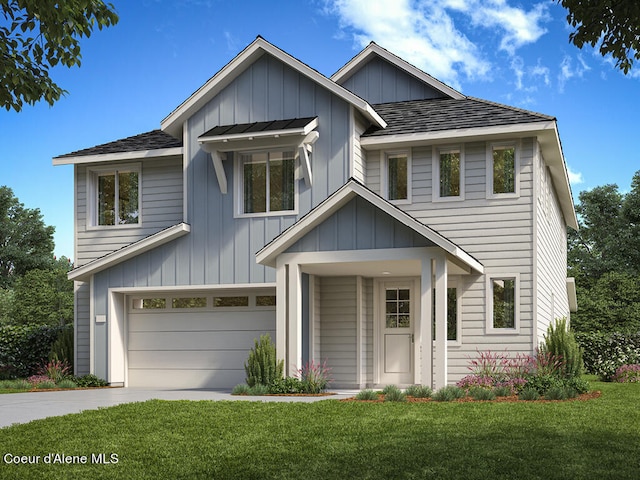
column 597, row 439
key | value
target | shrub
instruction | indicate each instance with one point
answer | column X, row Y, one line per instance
column 67, row 383
column 258, row 389
column 503, row 391
column 556, row 393
column 62, row 348
column 314, row 377
column 448, row 393
column 529, row 394
column 20, row 384
column 476, row 382
column 605, row 352
column 286, row 385
column 367, row 395
column 56, row 370
column 418, row 391
column 46, row 385
column 24, row 348
column 35, row 380
column 627, row 374
column 394, row 394
column 560, row 342
column 542, row 383
column 262, row 365
column 580, row 385
column 89, row 380
column 241, row 389
column 482, row 394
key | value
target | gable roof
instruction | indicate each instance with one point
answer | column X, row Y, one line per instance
column 172, row 124
column 149, row 144
column 268, row 254
column 372, row 50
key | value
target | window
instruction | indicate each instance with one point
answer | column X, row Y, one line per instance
column 397, row 176
column 189, row 302
column 231, row 301
column 452, row 314
column 265, row 301
column 502, row 170
column 503, row 304
column 448, row 174
column 117, row 196
column 398, row 308
column 268, row 182
column 149, row 303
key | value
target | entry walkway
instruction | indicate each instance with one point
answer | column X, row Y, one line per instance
column 25, row 407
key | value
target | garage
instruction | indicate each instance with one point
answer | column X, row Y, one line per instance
column 195, row 341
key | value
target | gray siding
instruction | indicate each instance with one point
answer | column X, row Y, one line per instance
column 82, row 313
column 359, row 166
column 497, row 232
column 338, row 312
column 551, row 254
column 160, row 202
column 380, row 82
column 367, row 330
column 359, row 225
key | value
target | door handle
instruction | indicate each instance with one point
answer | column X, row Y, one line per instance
column 411, row 336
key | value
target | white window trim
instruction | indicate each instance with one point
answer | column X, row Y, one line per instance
column 436, row 173
column 490, row 330
column 384, row 175
column 238, row 184
column 489, row 169
column 92, row 195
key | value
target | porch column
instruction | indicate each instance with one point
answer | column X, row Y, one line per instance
column 424, row 325
column 281, row 312
column 440, row 374
column 294, row 342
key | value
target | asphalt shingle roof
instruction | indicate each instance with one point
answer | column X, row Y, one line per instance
column 154, row 140
column 421, row 116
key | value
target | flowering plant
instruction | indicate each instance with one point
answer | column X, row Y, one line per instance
column 627, row 374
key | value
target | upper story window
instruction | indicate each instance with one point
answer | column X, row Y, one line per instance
column 502, row 170
column 448, row 174
column 268, row 182
column 116, row 193
column 503, row 303
column 397, row 176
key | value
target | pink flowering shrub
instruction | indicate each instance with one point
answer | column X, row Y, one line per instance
column 35, row 380
column 627, row 374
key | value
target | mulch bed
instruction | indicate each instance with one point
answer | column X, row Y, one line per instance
column 512, row 398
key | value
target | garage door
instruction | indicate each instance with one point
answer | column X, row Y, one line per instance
column 179, row 341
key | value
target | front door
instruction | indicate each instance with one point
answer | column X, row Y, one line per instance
column 396, row 321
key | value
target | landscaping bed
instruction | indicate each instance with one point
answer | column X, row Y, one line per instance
column 510, row 398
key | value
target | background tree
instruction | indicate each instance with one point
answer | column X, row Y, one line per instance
column 44, row 295
column 613, row 25
column 37, row 35
column 604, row 257
column 26, row 242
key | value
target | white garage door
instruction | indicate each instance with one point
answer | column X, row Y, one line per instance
column 177, row 341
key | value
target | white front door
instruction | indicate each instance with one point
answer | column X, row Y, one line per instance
column 396, row 322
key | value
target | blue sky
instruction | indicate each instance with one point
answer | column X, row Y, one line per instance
column 161, row 51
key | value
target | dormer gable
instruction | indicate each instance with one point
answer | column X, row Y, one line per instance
column 379, row 76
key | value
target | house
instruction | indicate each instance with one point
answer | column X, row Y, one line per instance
column 378, row 219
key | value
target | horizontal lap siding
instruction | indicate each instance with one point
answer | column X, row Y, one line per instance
column 497, row 232
column 160, row 202
column 338, row 319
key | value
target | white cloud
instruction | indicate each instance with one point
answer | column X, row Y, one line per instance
column 570, row 69
column 424, row 33
column 575, row 178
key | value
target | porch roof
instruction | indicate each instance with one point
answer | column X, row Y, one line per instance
column 353, row 189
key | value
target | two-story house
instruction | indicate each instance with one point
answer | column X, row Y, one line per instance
column 378, row 219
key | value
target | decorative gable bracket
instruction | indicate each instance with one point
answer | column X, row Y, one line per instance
column 261, row 135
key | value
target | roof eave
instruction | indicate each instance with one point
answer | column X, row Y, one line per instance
column 118, row 156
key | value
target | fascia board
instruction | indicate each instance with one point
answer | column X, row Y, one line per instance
column 374, row 49
column 172, row 123
column 113, row 157
column 130, row 251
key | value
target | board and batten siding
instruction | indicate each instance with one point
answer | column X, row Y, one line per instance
column 81, row 328
column 338, row 314
column 551, row 253
column 497, row 232
column 160, row 206
column 380, row 82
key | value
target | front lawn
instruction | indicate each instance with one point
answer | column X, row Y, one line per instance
column 596, row 439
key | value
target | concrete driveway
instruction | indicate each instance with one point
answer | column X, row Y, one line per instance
column 25, row 407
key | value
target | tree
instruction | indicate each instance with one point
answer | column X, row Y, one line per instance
column 37, row 35
column 26, row 243
column 614, row 25
column 44, row 295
